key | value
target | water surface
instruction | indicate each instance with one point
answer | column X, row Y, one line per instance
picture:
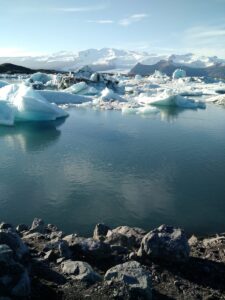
column 102, row 166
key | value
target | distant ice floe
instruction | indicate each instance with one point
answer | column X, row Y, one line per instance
column 169, row 98
column 220, row 99
column 178, row 73
column 21, row 103
column 44, row 97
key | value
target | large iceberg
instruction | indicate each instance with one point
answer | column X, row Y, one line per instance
column 21, row 103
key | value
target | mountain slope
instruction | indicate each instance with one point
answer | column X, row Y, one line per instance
column 168, row 67
column 108, row 59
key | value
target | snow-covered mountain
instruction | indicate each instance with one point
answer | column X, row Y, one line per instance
column 107, row 59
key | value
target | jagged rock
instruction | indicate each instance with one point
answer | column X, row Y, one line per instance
column 50, row 255
column 100, row 231
column 37, row 226
column 33, row 236
column 134, row 276
column 215, row 241
column 80, row 270
column 22, row 227
column 4, row 225
column 166, row 243
column 193, row 241
column 60, row 247
column 88, row 247
column 125, row 236
column 14, row 278
column 13, row 240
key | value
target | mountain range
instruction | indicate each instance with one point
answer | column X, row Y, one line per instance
column 108, row 59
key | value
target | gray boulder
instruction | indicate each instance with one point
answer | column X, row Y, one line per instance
column 125, row 236
column 166, row 243
column 80, row 270
column 88, row 247
column 14, row 279
column 13, row 240
column 132, row 275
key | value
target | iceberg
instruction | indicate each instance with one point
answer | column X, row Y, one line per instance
column 3, row 83
column 179, row 73
column 109, row 95
column 169, row 98
column 81, row 88
column 40, row 77
column 21, row 103
column 61, row 98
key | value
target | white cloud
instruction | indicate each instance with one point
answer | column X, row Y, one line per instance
column 208, row 40
column 132, row 19
column 101, row 21
column 81, row 8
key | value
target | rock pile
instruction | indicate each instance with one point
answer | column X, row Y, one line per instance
column 40, row 262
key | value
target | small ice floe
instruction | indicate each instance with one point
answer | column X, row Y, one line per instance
column 109, row 95
column 219, row 99
column 82, row 88
column 169, row 98
column 140, row 110
column 21, row 103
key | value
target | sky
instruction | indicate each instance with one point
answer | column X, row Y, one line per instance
column 36, row 27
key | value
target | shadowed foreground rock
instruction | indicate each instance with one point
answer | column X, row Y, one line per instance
column 41, row 262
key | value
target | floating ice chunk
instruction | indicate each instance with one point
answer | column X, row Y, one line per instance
column 179, row 73
column 82, row 88
column 60, row 98
column 169, row 98
column 40, row 77
column 146, row 110
column 220, row 99
column 109, row 95
column 22, row 103
column 138, row 77
column 3, row 83
column 129, row 110
column 77, row 87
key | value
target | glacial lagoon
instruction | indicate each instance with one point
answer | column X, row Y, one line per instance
column 103, row 166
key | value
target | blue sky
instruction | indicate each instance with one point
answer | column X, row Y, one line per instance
column 158, row 26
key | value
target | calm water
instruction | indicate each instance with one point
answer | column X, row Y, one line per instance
column 107, row 167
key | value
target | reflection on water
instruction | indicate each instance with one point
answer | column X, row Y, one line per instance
column 31, row 135
column 101, row 166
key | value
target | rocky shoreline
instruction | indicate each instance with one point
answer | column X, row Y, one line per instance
column 42, row 262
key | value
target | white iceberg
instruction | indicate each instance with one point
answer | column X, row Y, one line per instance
column 169, row 98
column 61, row 98
column 109, row 95
column 21, row 103
column 81, row 88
